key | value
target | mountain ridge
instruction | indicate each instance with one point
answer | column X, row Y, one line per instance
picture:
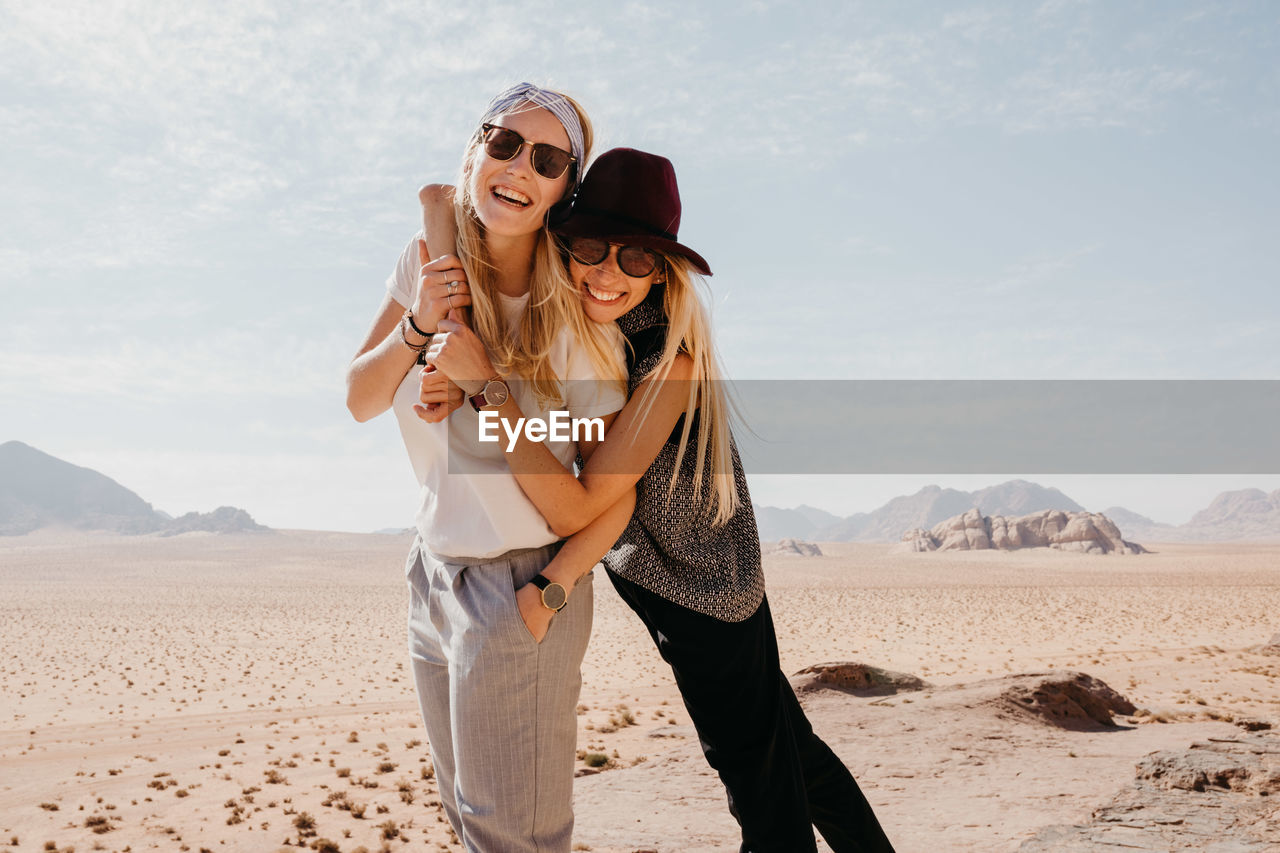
column 1230, row 516
column 38, row 490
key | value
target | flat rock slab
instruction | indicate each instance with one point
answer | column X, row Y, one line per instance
column 1218, row 795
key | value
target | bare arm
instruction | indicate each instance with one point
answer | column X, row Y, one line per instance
column 571, row 503
column 576, row 557
column 383, row 359
column 381, row 363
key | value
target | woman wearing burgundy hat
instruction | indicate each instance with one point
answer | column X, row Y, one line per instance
column 687, row 560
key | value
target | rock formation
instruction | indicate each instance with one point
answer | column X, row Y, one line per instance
column 1067, row 699
column 224, row 519
column 1086, row 532
column 1216, row 795
column 857, row 678
column 791, row 547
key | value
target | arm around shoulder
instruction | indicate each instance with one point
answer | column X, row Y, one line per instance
column 641, row 429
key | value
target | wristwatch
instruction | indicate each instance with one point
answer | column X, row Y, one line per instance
column 553, row 595
column 494, row 393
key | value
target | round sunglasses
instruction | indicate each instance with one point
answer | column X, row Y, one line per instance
column 635, row 261
column 502, row 143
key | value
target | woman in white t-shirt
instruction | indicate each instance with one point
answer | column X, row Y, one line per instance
column 499, row 704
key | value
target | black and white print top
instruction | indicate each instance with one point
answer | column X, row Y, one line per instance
column 670, row 547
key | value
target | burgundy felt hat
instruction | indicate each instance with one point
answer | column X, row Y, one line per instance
column 630, row 197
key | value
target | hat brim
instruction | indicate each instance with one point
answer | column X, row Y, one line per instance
column 589, row 225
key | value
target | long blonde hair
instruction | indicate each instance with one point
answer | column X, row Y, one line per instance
column 689, row 331
column 554, row 304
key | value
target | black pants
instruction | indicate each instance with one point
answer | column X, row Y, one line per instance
column 781, row 778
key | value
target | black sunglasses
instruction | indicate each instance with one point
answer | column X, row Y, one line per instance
column 635, row 261
column 503, row 144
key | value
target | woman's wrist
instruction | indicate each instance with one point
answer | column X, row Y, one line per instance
column 423, row 333
column 407, row 337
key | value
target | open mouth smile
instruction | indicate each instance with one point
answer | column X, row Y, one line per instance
column 604, row 296
column 509, row 196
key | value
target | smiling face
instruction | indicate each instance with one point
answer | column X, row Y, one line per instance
column 510, row 198
column 607, row 292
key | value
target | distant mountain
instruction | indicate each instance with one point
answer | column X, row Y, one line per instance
column 1138, row 527
column 924, row 509
column 38, row 490
column 777, row 523
column 1244, row 514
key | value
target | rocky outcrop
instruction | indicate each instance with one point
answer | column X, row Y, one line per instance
column 1217, row 795
column 224, row 519
column 1086, row 532
column 1232, row 516
column 791, row 547
column 925, row 508
column 1067, row 699
column 857, row 678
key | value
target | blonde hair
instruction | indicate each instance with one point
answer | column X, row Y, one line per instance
column 689, row 331
column 554, row 304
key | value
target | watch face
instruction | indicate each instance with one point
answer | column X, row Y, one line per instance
column 495, row 393
column 553, row 596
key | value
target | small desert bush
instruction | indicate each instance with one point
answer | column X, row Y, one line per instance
column 595, row 759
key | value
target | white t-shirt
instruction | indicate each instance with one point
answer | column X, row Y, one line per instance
column 470, row 504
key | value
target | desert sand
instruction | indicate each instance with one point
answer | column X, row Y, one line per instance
column 252, row 692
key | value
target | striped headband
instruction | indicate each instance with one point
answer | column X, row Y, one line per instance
column 558, row 105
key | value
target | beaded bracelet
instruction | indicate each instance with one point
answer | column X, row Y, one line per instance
column 405, row 322
column 408, row 313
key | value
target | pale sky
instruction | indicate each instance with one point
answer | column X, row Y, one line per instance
column 202, row 202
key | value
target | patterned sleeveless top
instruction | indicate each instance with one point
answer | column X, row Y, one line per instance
column 669, row 547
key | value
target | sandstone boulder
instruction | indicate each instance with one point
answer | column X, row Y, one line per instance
column 1064, row 698
column 1218, row 795
column 857, row 678
column 1086, row 532
column 916, row 540
column 792, row 547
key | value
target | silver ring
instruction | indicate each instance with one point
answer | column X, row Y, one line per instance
column 450, row 300
column 453, row 285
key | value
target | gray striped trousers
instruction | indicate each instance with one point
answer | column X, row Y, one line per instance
column 500, row 709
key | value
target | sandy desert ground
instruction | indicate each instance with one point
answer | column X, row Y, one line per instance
column 252, row 692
